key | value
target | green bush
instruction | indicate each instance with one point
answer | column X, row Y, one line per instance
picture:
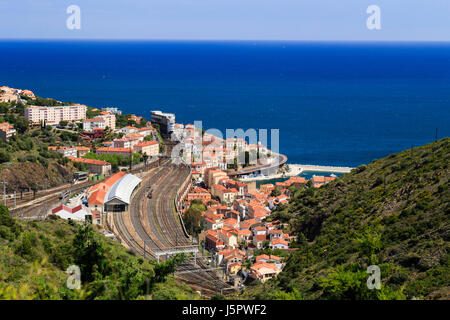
column 25, row 247
column 6, row 233
column 4, row 156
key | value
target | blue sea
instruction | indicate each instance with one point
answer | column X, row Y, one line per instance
column 341, row 104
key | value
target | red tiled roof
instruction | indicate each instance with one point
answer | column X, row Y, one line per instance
column 91, row 120
column 259, row 265
column 146, row 143
column 262, row 256
column 99, row 190
column 279, row 241
column 82, row 148
column 260, row 237
column 89, row 161
column 112, row 149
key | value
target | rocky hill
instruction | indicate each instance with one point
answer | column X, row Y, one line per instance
column 35, row 175
column 392, row 213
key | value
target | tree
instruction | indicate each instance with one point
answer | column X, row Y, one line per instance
column 142, row 123
column 275, row 193
column 4, row 156
column 7, row 221
column 21, row 124
column 4, row 107
column 90, row 113
column 165, row 268
column 193, row 216
column 89, row 254
column 156, row 126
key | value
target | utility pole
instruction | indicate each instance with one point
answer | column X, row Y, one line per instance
column 131, row 159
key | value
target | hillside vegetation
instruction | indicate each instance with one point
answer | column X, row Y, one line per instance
column 393, row 213
column 25, row 161
column 34, row 257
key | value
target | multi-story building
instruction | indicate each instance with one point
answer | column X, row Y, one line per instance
column 128, row 130
column 94, row 166
column 212, row 176
column 146, row 131
column 135, row 118
column 27, row 93
column 112, row 110
column 150, row 148
column 54, row 115
column 264, row 271
column 82, row 151
column 126, row 152
column 6, row 131
column 121, row 143
column 199, row 193
column 166, row 121
column 8, row 97
column 110, row 119
column 65, row 151
column 91, row 124
column 134, row 139
column 225, row 195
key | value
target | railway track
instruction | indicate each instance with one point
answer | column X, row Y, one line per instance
column 34, row 207
column 165, row 216
column 137, row 236
column 50, row 197
column 155, row 222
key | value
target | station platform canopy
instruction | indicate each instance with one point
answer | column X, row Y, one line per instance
column 120, row 193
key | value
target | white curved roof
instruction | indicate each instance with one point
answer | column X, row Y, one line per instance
column 123, row 189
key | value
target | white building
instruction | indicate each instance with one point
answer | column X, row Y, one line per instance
column 6, row 131
column 166, row 121
column 112, row 110
column 91, row 124
column 68, row 152
column 54, row 115
column 128, row 130
column 110, row 120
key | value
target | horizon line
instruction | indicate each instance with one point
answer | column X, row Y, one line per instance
column 222, row 40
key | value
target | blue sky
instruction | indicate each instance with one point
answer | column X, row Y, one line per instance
column 329, row 20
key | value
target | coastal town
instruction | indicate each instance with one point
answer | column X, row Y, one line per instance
column 223, row 210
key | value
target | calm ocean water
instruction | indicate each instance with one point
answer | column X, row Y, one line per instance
column 335, row 104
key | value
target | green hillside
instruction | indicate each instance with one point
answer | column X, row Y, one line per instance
column 35, row 255
column 393, row 213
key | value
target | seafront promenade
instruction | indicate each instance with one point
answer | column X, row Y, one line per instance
column 296, row 169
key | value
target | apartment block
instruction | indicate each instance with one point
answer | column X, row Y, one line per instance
column 54, row 115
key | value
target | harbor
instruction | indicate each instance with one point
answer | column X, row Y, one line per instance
column 295, row 170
